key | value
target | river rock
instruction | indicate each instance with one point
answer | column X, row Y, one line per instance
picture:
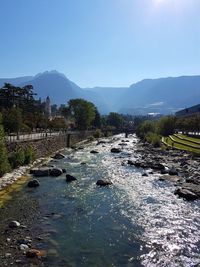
column 58, row 156
column 164, row 171
column 115, row 150
column 103, row 183
column 157, row 166
column 70, row 178
column 40, row 172
column 94, row 152
column 173, row 172
column 24, row 247
column 170, row 178
column 64, row 170
column 33, row 183
column 14, row 224
column 144, row 174
column 33, row 253
column 55, row 172
column 185, row 193
column 25, row 241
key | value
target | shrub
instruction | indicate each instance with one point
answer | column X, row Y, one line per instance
column 98, row 133
column 29, row 155
column 4, row 163
column 17, row 158
column 153, row 139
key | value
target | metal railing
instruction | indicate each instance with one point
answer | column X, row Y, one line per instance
column 31, row 136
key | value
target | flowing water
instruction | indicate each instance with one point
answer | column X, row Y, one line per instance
column 137, row 221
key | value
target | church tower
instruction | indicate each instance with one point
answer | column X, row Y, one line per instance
column 48, row 107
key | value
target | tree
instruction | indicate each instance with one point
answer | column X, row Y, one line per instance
column 12, row 120
column 97, row 120
column 145, row 128
column 167, row 125
column 4, row 163
column 82, row 111
column 115, row 119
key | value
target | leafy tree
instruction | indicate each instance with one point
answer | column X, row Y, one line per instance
column 57, row 124
column 97, row 120
column 4, row 163
column 115, row 119
column 167, row 125
column 146, row 127
column 82, row 111
column 12, row 120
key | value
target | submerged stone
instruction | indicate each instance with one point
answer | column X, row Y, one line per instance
column 103, row 183
column 33, row 183
column 70, row 178
column 55, row 172
column 58, row 156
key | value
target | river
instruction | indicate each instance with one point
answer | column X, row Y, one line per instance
column 138, row 221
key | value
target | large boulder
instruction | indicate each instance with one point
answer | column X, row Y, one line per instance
column 103, row 183
column 40, row 172
column 33, row 183
column 56, row 172
column 115, row 150
column 58, row 156
column 70, row 178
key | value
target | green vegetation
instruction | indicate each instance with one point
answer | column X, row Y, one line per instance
column 21, row 156
column 191, row 139
column 181, row 146
column 98, row 133
column 82, row 111
column 4, row 163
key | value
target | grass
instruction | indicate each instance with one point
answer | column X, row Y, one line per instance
column 191, row 139
column 185, row 142
column 182, row 146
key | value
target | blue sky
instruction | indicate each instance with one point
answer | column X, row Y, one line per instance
column 100, row 42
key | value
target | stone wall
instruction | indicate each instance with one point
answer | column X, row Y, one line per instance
column 47, row 146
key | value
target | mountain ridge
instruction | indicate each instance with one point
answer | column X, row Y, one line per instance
column 160, row 95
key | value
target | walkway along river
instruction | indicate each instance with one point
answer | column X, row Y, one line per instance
column 137, row 221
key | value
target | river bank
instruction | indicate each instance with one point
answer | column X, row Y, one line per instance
column 179, row 167
column 133, row 222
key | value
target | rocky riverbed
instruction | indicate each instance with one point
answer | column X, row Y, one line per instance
column 178, row 167
column 119, row 209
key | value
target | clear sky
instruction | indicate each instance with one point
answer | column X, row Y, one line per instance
column 100, row 42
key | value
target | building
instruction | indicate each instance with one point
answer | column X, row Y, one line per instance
column 189, row 111
column 48, row 107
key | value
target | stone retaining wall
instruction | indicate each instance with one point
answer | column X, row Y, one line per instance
column 46, row 147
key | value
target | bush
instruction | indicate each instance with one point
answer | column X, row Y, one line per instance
column 4, row 163
column 29, row 155
column 98, row 133
column 145, row 128
column 17, row 158
column 153, row 139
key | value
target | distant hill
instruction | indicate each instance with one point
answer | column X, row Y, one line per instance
column 164, row 95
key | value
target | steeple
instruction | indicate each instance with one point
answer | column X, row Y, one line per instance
column 48, row 107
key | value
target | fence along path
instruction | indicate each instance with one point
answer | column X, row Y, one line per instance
column 32, row 136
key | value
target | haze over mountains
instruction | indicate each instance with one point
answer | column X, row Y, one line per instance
column 164, row 95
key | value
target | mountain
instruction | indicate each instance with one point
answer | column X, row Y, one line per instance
column 111, row 96
column 164, row 95
column 57, row 87
column 15, row 81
